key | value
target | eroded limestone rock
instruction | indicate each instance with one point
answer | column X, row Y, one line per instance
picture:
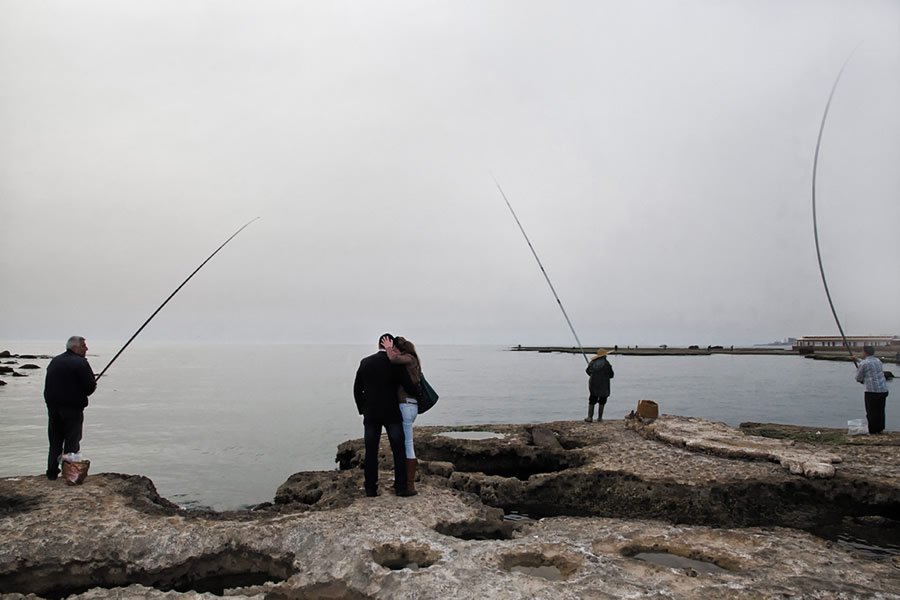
column 114, row 537
column 720, row 439
column 608, row 470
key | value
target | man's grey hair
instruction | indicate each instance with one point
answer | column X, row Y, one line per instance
column 74, row 342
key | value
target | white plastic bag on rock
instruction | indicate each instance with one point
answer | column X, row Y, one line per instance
column 857, row 427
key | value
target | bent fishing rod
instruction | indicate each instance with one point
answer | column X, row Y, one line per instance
column 170, row 297
column 544, row 271
column 815, row 224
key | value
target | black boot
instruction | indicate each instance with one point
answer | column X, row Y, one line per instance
column 600, row 408
column 590, row 417
column 411, row 465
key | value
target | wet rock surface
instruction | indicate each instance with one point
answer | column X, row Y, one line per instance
column 115, row 537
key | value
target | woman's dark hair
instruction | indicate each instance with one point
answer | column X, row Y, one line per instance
column 404, row 345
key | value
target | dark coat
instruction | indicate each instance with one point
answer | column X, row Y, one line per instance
column 69, row 382
column 600, row 372
column 375, row 389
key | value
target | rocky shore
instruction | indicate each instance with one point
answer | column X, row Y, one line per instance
column 10, row 365
column 669, row 508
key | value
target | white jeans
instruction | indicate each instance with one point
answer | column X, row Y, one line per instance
column 409, row 412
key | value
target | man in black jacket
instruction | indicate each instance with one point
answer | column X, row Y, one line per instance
column 375, row 393
column 69, row 382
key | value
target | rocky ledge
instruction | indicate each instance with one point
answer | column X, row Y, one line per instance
column 673, row 508
column 676, row 469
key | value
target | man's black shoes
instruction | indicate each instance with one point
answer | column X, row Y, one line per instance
column 370, row 493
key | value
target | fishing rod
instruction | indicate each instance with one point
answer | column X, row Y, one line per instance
column 544, row 271
column 815, row 223
column 170, row 297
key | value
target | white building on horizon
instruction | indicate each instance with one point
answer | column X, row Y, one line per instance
column 811, row 343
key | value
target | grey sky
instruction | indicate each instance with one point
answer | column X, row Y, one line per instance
column 659, row 155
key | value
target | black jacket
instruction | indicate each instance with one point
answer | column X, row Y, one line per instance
column 600, row 372
column 69, row 381
column 375, row 389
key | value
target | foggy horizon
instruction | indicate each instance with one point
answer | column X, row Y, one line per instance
column 658, row 155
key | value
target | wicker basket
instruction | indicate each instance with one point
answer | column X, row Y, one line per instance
column 648, row 409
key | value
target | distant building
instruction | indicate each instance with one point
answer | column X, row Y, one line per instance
column 811, row 343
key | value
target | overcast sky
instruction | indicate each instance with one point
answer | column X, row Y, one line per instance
column 658, row 153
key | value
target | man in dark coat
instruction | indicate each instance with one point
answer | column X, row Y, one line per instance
column 67, row 386
column 375, row 392
column 600, row 372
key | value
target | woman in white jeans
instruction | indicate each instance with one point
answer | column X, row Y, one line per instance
column 402, row 351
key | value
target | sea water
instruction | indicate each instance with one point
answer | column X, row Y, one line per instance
column 223, row 425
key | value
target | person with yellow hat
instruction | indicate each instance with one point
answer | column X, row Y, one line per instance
column 599, row 371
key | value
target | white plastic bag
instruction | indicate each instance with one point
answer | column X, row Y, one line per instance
column 857, row 427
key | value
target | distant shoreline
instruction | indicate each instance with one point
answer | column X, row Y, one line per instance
column 651, row 351
column 672, row 351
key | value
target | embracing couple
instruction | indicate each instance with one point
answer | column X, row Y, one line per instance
column 387, row 391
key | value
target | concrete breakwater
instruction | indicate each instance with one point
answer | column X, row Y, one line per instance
column 622, row 502
column 659, row 350
column 838, row 354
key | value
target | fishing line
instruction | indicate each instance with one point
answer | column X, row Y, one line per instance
column 544, row 271
column 815, row 223
column 170, row 297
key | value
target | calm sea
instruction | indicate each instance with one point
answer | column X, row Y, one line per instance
column 222, row 426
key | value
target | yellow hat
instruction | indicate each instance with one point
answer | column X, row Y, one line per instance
column 600, row 352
